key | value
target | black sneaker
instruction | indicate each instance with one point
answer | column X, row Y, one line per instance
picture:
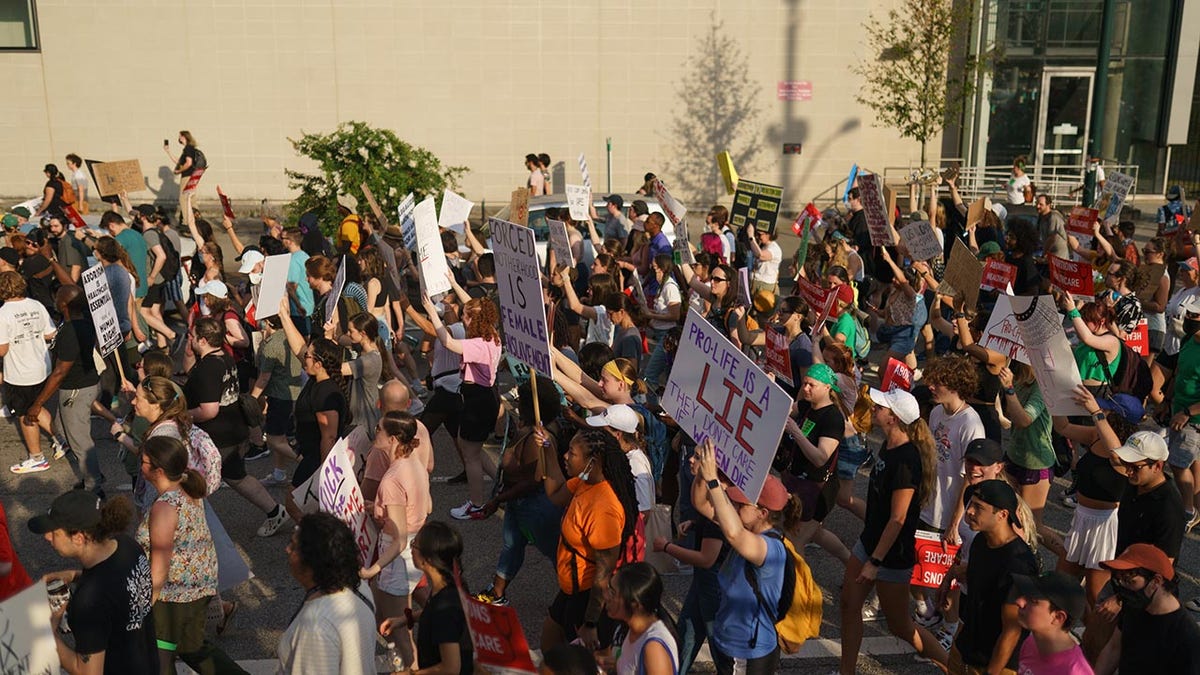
column 257, row 452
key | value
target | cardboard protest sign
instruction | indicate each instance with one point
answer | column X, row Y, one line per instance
column 757, row 204
column 1001, row 334
column 375, row 210
column 997, row 275
column 715, row 391
column 104, row 313
column 896, row 374
column 560, row 243
column 976, row 210
column 744, row 287
column 1049, row 352
column 518, row 207
column 778, row 356
column 26, row 633
column 408, row 227
column 674, row 209
column 889, row 199
column 729, row 175
column 339, row 494
column 577, row 202
column 870, row 190
column 583, row 171
column 113, row 178
column 933, row 560
column 964, row 274
column 274, row 284
column 1139, row 339
column 522, row 312
column 431, row 259
column 455, row 211
column 193, row 181
column 1074, row 277
column 500, row 645
column 814, row 295
column 921, row 241
column 339, row 283
column 226, row 206
column 639, row 291
column 1116, row 186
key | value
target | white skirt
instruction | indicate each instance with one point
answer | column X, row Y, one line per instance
column 1092, row 538
column 401, row 576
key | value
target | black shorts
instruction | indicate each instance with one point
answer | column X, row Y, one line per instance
column 480, row 406
column 443, row 408
column 306, row 467
column 154, row 295
column 278, row 420
column 233, row 461
column 18, row 397
column 1167, row 361
column 816, row 499
column 568, row 609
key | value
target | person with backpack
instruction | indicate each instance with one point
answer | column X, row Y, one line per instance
column 1104, row 360
column 647, row 645
column 744, row 638
column 190, row 160
column 902, row 481
column 54, row 193
column 163, row 267
column 719, row 241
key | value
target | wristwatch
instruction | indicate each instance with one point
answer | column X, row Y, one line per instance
column 875, row 561
column 1009, row 391
column 713, row 484
column 1098, row 415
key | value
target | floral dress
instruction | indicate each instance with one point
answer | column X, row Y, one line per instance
column 193, row 571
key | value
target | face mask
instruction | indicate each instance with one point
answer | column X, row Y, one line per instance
column 255, row 278
column 1190, row 326
column 1133, row 600
column 586, row 473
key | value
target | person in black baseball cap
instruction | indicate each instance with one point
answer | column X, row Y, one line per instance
column 1047, row 606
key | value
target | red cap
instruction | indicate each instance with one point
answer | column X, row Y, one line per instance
column 1143, row 556
column 772, row 498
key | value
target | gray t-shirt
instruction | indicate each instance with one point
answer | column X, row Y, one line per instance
column 364, row 391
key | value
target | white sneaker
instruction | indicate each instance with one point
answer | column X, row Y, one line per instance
column 467, row 511
column 871, row 611
column 30, row 465
column 60, row 448
column 272, row 524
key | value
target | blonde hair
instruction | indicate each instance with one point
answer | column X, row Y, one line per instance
column 920, row 436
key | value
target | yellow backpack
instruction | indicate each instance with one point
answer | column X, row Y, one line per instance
column 798, row 614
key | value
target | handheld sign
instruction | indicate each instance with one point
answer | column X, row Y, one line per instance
column 682, row 245
column 976, row 210
column 518, row 207
column 193, row 181
column 113, row 178
column 921, row 241
column 729, row 175
column 1116, row 185
column 560, row 243
column 431, row 259
column 72, row 215
column 1049, row 352
column 1139, row 339
column 339, row 494
column 104, row 313
column 997, row 275
column 744, row 287
column 577, row 202
column 274, row 284
column 583, row 171
column 933, row 560
column 500, row 645
column 639, row 291
column 813, row 294
column 897, row 374
column 757, row 204
column 674, row 209
column 850, row 183
column 522, row 312
column 1071, row 276
column 25, row 630
column 716, row 392
column 226, row 206
column 455, row 211
column 1002, row 334
column 964, row 274
column 870, row 191
column 375, row 210
column 826, row 310
column 408, row 227
column 1079, row 224
column 339, row 283
column 778, row 356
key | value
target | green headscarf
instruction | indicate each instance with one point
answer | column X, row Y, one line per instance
column 823, row 374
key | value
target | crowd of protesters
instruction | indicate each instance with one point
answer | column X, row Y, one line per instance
column 201, row 387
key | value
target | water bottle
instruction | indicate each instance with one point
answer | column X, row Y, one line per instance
column 60, row 595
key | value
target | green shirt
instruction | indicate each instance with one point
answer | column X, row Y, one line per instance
column 1187, row 378
column 1030, row 447
column 845, row 326
column 133, row 243
column 276, row 358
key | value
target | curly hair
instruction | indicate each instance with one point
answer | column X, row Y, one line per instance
column 955, row 372
column 614, row 464
column 115, row 516
column 326, row 547
column 484, row 319
column 12, row 286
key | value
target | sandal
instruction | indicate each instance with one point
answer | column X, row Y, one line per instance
column 225, row 615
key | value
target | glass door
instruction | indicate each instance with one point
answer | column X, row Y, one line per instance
column 1063, row 119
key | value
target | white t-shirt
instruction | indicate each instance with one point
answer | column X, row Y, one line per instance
column 630, row 660
column 447, row 362
column 600, row 329
column 767, row 271
column 537, row 183
column 951, row 434
column 1016, row 189
column 331, row 634
column 643, row 478
column 25, row 326
column 79, row 180
column 667, row 295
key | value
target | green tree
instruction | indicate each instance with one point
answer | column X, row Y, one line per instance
column 355, row 153
column 911, row 82
column 718, row 110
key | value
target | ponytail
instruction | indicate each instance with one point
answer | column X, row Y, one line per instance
column 787, row 518
column 193, row 484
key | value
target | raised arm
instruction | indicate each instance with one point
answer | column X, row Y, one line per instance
column 227, row 225
column 295, row 340
column 448, row 340
column 751, row 546
column 559, row 279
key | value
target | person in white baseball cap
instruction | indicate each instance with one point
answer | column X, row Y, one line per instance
column 626, row 425
column 620, row 417
column 902, row 404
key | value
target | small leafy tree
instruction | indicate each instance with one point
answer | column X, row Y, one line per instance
column 355, row 153
column 717, row 112
column 910, row 81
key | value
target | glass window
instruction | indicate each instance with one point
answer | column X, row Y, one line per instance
column 1014, row 104
column 18, row 25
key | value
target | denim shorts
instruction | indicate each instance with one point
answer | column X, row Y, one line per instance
column 1184, row 447
column 887, row 575
column 851, row 455
column 900, row 339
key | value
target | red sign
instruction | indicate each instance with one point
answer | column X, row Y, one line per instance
column 812, row 293
column 826, row 310
column 778, row 356
column 897, row 374
column 496, row 633
column 1071, row 276
column 1139, row 339
column 997, row 275
column 225, row 204
column 193, row 181
column 74, row 217
column 1081, row 220
column 796, row 90
column 933, row 560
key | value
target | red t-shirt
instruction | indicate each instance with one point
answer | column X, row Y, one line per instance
column 17, row 580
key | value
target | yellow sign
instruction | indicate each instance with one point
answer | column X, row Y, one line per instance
column 728, row 173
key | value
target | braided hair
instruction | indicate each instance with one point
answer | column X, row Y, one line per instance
column 327, row 353
column 602, row 446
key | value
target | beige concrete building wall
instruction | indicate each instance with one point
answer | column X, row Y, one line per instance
column 478, row 82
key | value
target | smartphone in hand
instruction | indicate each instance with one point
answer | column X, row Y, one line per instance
column 166, row 143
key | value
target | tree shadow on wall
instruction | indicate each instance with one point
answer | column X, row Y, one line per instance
column 718, row 110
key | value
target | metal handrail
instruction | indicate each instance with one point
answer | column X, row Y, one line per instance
column 1060, row 182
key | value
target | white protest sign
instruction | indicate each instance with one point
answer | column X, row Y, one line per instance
column 639, row 291
column 683, row 244
column 583, row 171
column 455, row 211
column 744, row 287
column 339, row 283
column 577, row 202
column 104, row 313
column 274, row 284
column 522, row 312
column 921, row 241
column 1002, row 335
column 26, row 634
column 1116, row 186
column 560, row 243
column 716, row 392
column 305, row 495
column 431, row 259
column 340, row 495
column 674, row 209
column 1049, row 352
column 408, row 228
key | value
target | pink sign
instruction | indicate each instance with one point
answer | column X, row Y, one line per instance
column 1071, row 276
column 778, row 356
column 795, row 90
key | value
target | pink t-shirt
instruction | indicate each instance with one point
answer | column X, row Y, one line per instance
column 480, row 358
column 406, row 482
column 1069, row 662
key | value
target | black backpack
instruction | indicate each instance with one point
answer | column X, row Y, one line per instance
column 1132, row 376
column 170, row 268
column 201, row 162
